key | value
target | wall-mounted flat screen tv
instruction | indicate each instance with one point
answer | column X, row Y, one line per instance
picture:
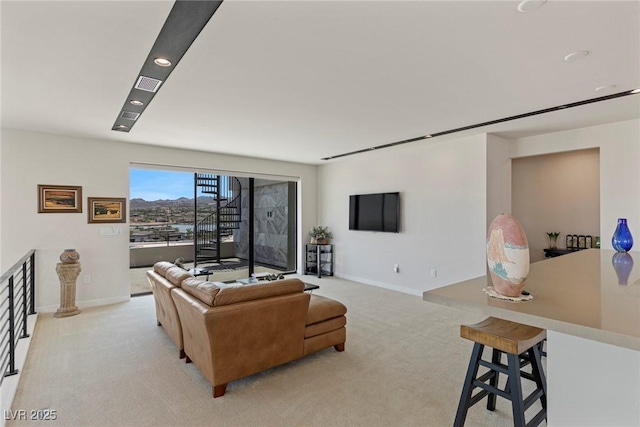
column 375, row 212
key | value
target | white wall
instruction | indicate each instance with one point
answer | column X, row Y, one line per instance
column 619, row 145
column 102, row 169
column 557, row 192
column 573, row 365
column 447, row 190
column 443, row 208
column 2, row 265
column 450, row 190
column 498, row 177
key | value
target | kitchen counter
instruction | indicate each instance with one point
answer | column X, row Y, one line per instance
column 589, row 303
column 578, row 294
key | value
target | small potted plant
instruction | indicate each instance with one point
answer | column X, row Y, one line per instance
column 553, row 237
column 320, row 235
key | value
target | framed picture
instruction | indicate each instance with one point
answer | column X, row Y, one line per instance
column 107, row 209
column 59, row 198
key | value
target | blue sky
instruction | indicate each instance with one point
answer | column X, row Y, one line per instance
column 153, row 185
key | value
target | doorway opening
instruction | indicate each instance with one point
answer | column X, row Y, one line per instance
column 224, row 227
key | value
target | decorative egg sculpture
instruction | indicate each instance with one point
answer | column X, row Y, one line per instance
column 507, row 255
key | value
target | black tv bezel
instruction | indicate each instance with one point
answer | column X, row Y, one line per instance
column 354, row 226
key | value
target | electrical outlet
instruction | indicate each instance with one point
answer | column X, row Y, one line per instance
column 396, row 268
column 86, row 279
column 434, row 272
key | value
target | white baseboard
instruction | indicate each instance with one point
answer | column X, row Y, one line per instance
column 402, row 289
column 10, row 384
column 87, row 304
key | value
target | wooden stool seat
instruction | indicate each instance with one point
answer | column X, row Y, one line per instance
column 503, row 335
column 522, row 345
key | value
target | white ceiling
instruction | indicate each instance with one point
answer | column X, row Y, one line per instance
column 303, row 80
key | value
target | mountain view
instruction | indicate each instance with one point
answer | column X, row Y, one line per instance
column 175, row 211
column 135, row 204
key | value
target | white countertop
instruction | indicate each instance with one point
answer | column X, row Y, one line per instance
column 577, row 294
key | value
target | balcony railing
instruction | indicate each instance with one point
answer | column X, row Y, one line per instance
column 17, row 302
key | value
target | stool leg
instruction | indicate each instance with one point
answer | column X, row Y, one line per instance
column 538, row 373
column 493, row 381
column 465, row 397
column 515, row 386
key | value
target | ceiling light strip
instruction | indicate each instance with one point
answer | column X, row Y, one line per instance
column 491, row 122
column 184, row 23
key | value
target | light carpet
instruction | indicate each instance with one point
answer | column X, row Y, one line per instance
column 112, row 366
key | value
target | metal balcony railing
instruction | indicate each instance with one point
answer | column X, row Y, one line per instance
column 17, row 302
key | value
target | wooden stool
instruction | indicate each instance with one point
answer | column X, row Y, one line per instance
column 522, row 344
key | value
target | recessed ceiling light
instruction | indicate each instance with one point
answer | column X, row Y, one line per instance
column 121, row 127
column 635, row 91
column 427, row 136
column 576, row 55
column 530, row 5
column 136, row 102
column 605, row 87
column 163, row 62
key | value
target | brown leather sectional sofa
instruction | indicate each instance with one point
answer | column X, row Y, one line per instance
column 230, row 331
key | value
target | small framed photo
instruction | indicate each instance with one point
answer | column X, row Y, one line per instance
column 59, row 199
column 107, row 209
column 582, row 242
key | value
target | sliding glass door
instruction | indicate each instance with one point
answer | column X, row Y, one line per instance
column 232, row 228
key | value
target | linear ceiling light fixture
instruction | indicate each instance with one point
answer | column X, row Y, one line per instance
column 184, row 23
column 492, row 122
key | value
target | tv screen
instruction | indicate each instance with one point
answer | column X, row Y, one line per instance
column 374, row 212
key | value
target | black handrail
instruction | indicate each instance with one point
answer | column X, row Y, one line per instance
column 225, row 217
column 19, row 284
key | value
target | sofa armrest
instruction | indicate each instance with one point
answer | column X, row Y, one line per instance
column 166, row 312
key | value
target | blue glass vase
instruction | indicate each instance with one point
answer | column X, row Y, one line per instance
column 622, row 240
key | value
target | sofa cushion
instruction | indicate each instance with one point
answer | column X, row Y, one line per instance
column 201, row 289
column 176, row 275
column 325, row 327
column 161, row 267
column 321, row 309
column 234, row 293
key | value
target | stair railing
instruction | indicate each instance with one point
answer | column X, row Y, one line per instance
column 17, row 302
column 227, row 192
column 231, row 211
